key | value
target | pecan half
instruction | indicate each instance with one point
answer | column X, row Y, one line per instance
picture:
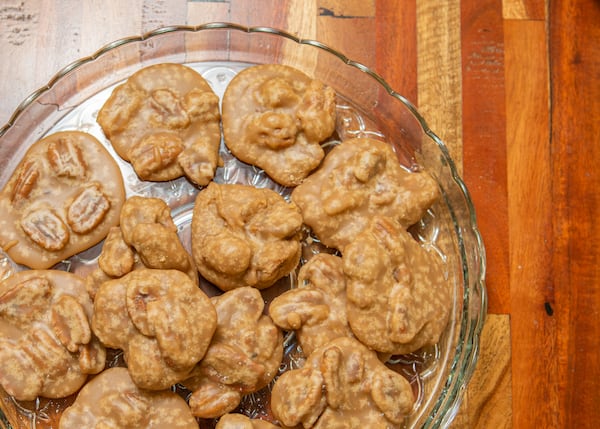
column 46, row 229
column 88, row 209
column 70, row 323
column 28, row 176
column 66, row 159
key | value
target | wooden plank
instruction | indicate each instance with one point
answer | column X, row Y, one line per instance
column 347, row 8
column 350, row 35
column 201, row 12
column 439, row 82
column 111, row 21
column 484, row 136
column 534, row 362
column 524, row 9
column 302, row 21
column 396, row 57
column 302, row 18
column 19, row 33
column 271, row 13
column 439, row 71
column 337, row 29
column 38, row 48
column 575, row 274
column 162, row 13
column 488, row 399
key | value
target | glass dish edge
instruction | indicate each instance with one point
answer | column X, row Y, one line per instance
column 474, row 273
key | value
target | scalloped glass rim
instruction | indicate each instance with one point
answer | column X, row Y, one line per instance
column 469, row 239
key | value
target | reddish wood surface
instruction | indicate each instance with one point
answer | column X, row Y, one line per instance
column 525, row 134
column 575, row 85
column 484, row 136
column 398, row 53
column 530, row 224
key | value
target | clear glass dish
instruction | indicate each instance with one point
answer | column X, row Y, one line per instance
column 367, row 106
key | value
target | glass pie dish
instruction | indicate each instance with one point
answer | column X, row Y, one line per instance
column 366, row 107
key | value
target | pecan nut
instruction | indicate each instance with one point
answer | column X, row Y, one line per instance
column 66, row 158
column 46, row 229
column 88, row 209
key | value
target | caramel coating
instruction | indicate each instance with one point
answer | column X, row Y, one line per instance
column 62, row 199
column 146, row 238
column 147, row 226
column 240, row 421
column 244, row 236
column 243, row 357
column 342, row 385
column 160, row 319
column 112, row 400
column 165, row 120
column 117, row 258
column 361, row 178
column 46, row 343
column 316, row 309
column 274, row 117
column 398, row 297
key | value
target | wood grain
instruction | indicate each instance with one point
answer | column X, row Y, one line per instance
column 334, row 28
column 513, row 86
column 524, row 9
column 200, row 12
column 575, row 155
column 439, row 71
column 530, row 224
column 396, row 57
column 489, row 397
column 484, row 134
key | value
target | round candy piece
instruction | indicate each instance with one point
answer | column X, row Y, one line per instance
column 165, row 120
column 46, row 343
column 112, row 400
column 63, row 198
column 244, row 236
column 361, row 178
column 275, row 117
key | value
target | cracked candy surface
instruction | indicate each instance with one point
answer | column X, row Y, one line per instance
column 147, row 226
column 358, row 179
column 342, row 385
column 146, row 238
column 244, row 236
column 240, row 421
column 112, row 400
column 165, row 120
column 160, row 319
column 62, row 199
column 243, row 357
column 398, row 297
column 274, row 117
column 46, row 343
column 316, row 309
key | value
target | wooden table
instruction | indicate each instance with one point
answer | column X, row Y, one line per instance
column 512, row 86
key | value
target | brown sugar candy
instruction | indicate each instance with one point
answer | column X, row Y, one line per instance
column 240, row 421
column 165, row 120
column 358, row 179
column 244, row 236
column 316, row 309
column 146, row 238
column 342, row 384
column 275, row 117
column 112, row 400
column 398, row 297
column 63, row 198
column 160, row 319
column 46, row 343
column 148, row 228
column 243, row 357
